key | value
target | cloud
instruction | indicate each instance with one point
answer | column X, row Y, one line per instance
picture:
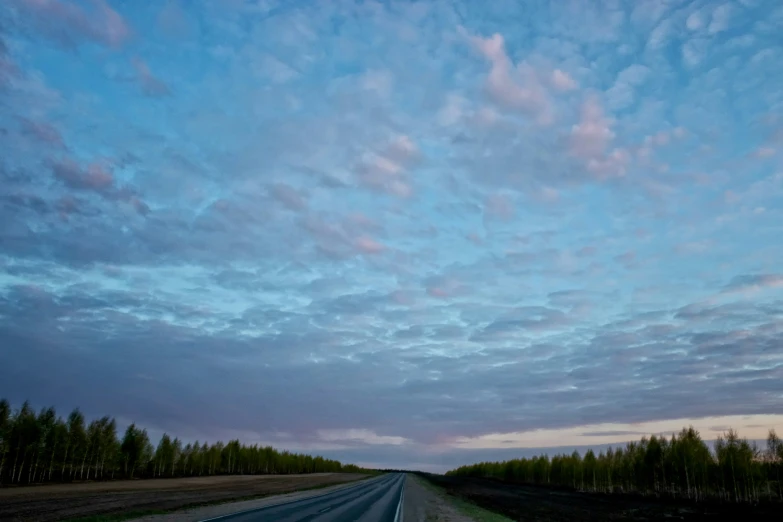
column 42, row 131
column 388, row 170
column 378, row 81
column 344, row 237
column 623, row 92
column 369, row 246
column 499, row 206
column 514, row 87
column 590, row 140
column 291, row 198
column 694, row 21
column 562, row 81
column 150, row 85
column 96, row 178
column 522, row 320
column 764, row 152
column 660, row 35
column 617, row 433
column 694, row 51
column 443, row 287
column 592, row 135
column 359, row 436
column 752, row 282
column 173, row 20
column 721, row 17
column 7, row 66
column 69, row 25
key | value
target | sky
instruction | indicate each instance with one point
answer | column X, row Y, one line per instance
column 399, row 233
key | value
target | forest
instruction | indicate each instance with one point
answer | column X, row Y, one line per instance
column 42, row 447
column 681, row 467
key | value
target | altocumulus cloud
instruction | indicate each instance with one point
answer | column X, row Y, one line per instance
column 415, row 234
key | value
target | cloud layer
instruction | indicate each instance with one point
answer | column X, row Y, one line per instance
column 392, row 233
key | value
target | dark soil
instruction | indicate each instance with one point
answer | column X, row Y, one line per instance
column 68, row 501
column 530, row 503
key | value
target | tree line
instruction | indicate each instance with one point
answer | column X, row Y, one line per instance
column 42, row 447
column 680, row 467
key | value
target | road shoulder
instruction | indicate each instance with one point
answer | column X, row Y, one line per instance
column 425, row 502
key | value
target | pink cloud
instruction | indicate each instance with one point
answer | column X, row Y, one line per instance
column 499, row 206
column 562, row 81
column 443, row 288
column 517, row 88
column 764, row 152
column 437, row 291
column 593, row 134
column 69, row 24
column 659, row 139
column 546, row 195
column 42, row 131
column 754, row 283
column 94, row 178
column 591, row 139
column 150, row 85
column 387, row 171
column 98, row 179
column 362, row 221
column 402, row 149
column 343, row 238
column 367, row 245
column 614, row 164
column 115, row 30
column 329, row 238
column 139, row 206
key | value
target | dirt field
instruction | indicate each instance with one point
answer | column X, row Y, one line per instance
column 67, row 501
column 525, row 504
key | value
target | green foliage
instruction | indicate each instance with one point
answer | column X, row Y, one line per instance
column 681, row 467
column 38, row 448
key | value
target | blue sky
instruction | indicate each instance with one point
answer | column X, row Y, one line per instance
column 399, row 233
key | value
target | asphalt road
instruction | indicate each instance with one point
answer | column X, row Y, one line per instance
column 374, row 500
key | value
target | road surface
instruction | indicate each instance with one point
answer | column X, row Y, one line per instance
column 374, row 500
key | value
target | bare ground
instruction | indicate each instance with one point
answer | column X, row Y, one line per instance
column 529, row 503
column 67, row 501
column 422, row 504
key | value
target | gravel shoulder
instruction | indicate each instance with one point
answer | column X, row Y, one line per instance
column 69, row 501
column 427, row 503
